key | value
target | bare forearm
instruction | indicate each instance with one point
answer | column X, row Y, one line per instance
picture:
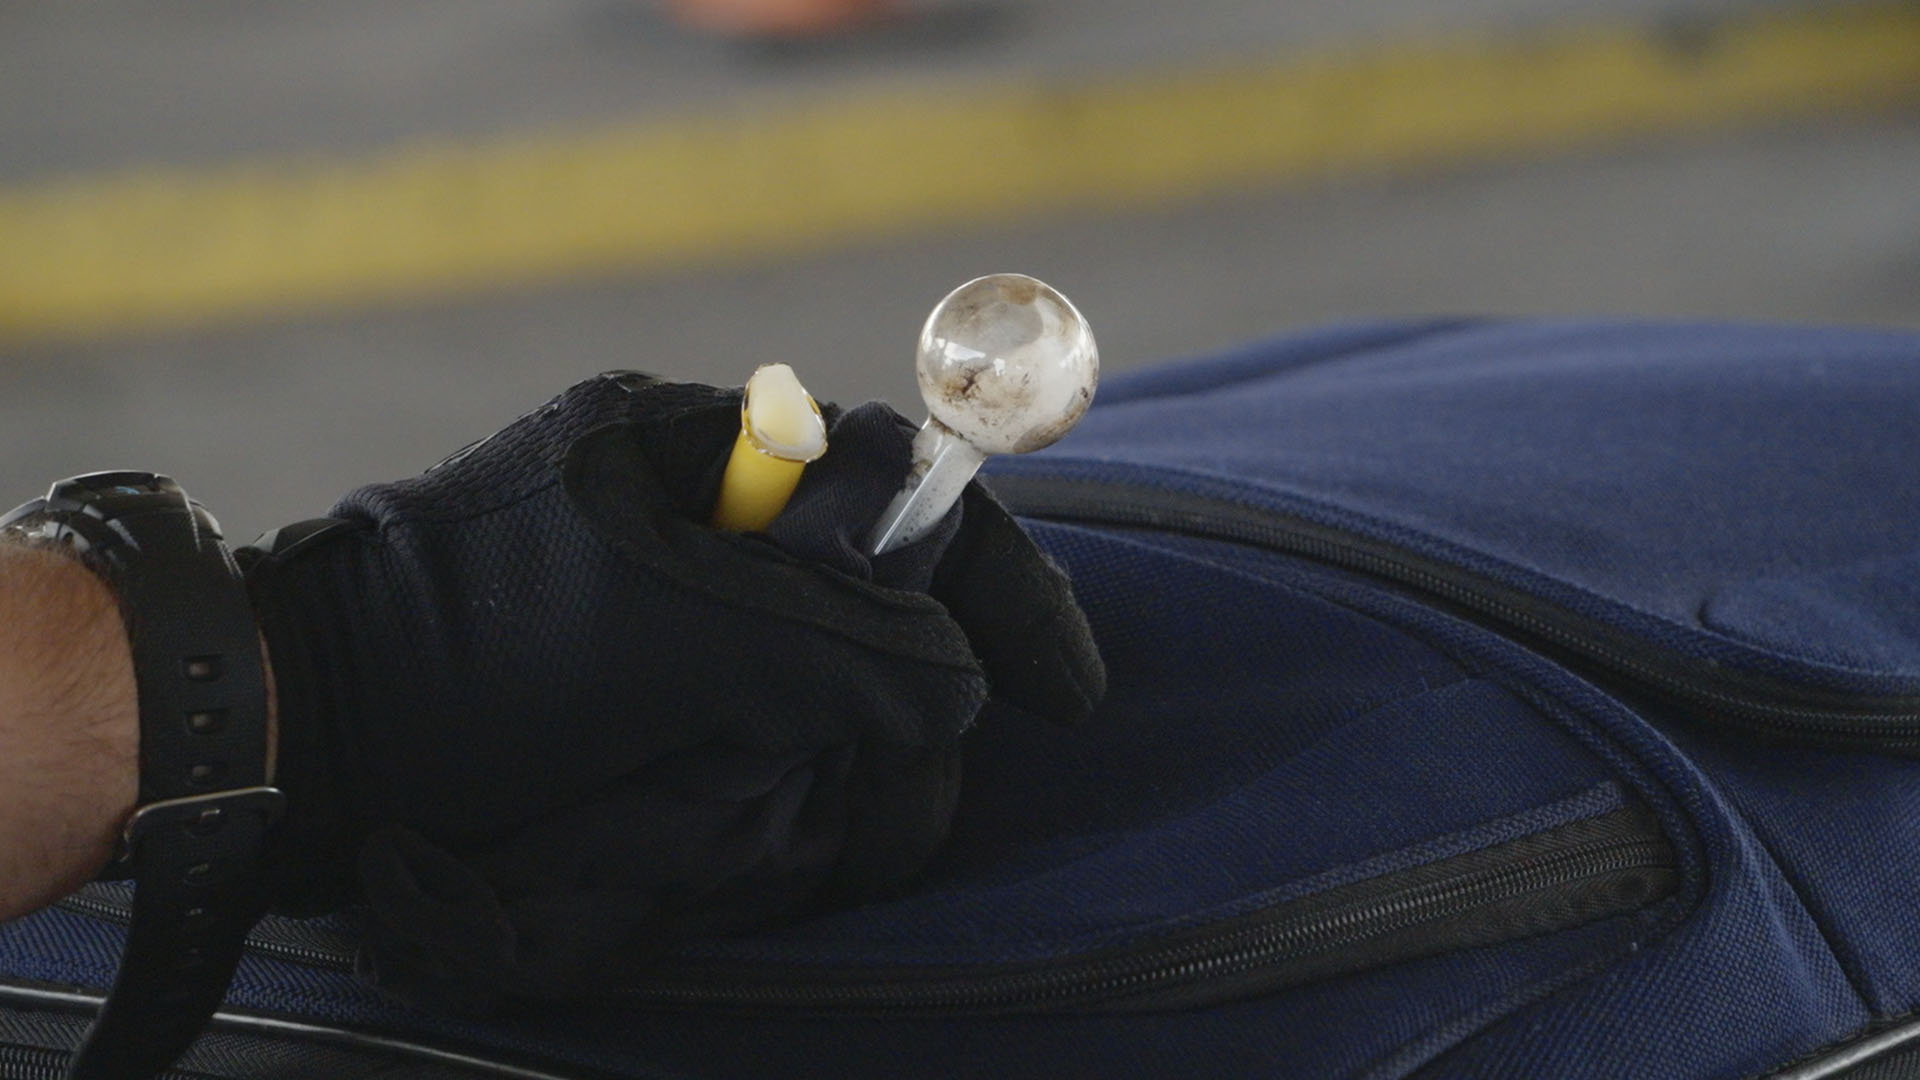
column 69, row 727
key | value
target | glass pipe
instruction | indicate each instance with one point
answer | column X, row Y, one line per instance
column 1006, row 366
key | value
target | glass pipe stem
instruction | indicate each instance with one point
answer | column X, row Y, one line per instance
column 943, row 462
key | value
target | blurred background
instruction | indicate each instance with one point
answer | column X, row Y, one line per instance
column 279, row 250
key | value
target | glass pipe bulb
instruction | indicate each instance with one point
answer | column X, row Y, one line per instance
column 1006, row 365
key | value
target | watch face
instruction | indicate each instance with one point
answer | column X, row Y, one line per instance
column 38, row 525
column 31, row 528
column 25, row 522
column 81, row 514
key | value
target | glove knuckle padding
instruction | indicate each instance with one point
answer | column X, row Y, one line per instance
column 518, row 460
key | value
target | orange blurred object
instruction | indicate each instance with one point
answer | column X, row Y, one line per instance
column 778, row 18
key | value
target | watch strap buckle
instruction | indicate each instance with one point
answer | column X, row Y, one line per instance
column 200, row 814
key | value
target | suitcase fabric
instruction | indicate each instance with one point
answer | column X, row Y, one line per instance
column 1488, row 700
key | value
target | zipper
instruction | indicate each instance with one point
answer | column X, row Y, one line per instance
column 33, row 1015
column 1612, row 864
column 1757, row 703
column 1608, row 865
column 31, row 1063
column 38, row 1063
column 291, row 940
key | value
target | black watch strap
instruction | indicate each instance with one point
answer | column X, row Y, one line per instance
column 196, row 896
column 194, row 845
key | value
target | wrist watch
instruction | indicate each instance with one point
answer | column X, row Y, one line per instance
column 194, row 845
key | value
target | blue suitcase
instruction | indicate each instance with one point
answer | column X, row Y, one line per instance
column 1488, row 700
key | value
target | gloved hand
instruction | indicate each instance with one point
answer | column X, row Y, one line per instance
column 546, row 723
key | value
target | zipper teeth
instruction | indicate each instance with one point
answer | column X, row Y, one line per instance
column 257, row 942
column 1900, row 726
column 1242, row 951
column 39, row 1063
column 1222, row 954
column 31, row 1063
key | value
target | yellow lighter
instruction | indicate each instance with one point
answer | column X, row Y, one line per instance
column 781, row 429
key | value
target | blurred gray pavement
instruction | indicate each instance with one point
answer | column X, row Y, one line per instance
column 111, row 83
column 268, row 424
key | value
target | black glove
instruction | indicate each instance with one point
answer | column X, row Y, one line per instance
column 545, row 722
